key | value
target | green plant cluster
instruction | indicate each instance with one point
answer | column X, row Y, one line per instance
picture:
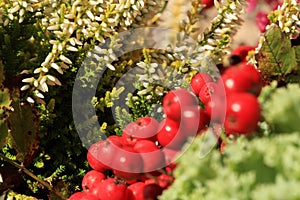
column 263, row 168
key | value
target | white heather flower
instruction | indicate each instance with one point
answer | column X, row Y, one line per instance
column 65, row 59
column 70, row 48
column 43, row 87
column 37, row 70
column 52, row 28
column 30, row 100
column 43, row 79
column 35, row 83
column 39, row 95
column 28, row 80
column 45, row 69
column 110, row 66
column 70, row 16
column 51, row 78
column 90, row 15
column 14, row 9
column 59, row 70
column 25, row 87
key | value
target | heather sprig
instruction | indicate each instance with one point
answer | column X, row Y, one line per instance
column 223, row 27
column 287, row 17
column 72, row 28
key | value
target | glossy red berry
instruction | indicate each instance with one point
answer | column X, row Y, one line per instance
column 206, row 92
column 153, row 157
column 170, row 135
column 83, row 196
column 127, row 163
column 92, row 178
column 208, row 3
column 110, row 189
column 243, row 114
column 175, row 100
column 242, row 78
column 198, row 81
column 143, row 191
column 99, row 155
column 142, row 128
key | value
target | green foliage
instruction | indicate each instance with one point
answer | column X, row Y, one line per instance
column 16, row 196
column 123, row 117
column 281, row 110
column 262, row 168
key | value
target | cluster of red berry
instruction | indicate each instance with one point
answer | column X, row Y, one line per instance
column 231, row 100
column 133, row 166
column 138, row 165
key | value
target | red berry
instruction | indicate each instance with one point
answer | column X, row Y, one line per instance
column 92, row 178
column 100, row 155
column 207, row 91
column 190, row 120
column 142, row 191
column 242, row 78
column 216, row 107
column 142, row 128
column 198, row 81
column 116, row 140
column 243, row 114
column 175, row 100
column 135, row 189
column 153, row 157
column 170, row 135
column 208, row 3
column 110, row 189
column 204, row 120
column 127, row 163
column 83, row 196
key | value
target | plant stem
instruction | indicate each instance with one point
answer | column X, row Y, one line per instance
column 29, row 173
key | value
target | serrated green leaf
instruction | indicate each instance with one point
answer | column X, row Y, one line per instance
column 23, row 125
column 276, row 58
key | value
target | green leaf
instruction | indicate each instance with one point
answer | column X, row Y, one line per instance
column 282, row 109
column 277, row 58
column 23, row 125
